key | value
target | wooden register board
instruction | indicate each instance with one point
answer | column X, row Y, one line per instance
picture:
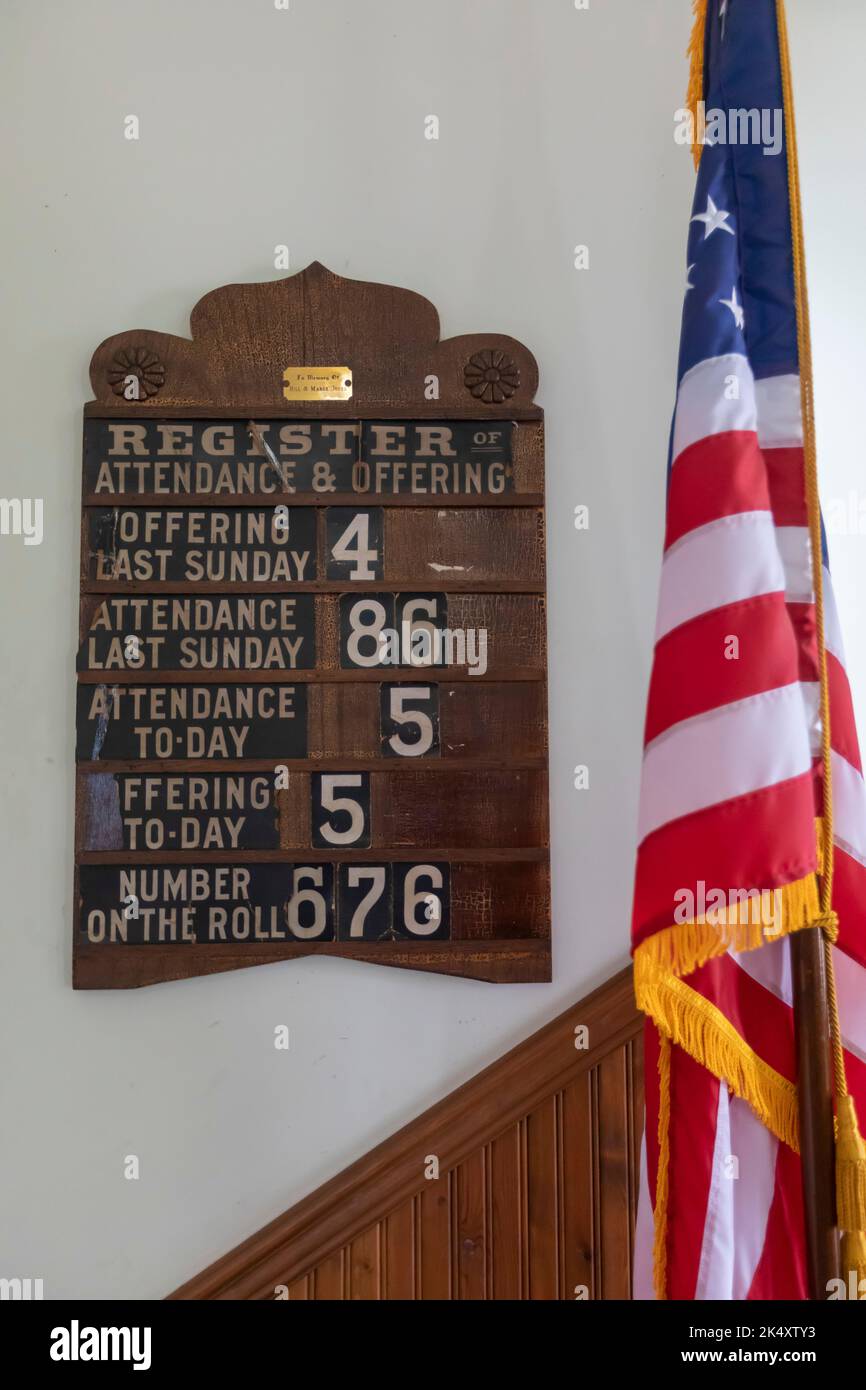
column 311, row 708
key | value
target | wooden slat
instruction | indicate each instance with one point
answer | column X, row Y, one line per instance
column 111, row 967
column 399, row 1252
column 314, row 499
column 512, row 902
column 475, row 809
column 329, row 1279
column 520, row 857
column 484, row 546
column 542, row 1192
column 578, row 1233
column 364, row 1270
column 506, row 1232
column 471, row 1228
column 496, row 723
column 434, row 1240
column 615, row 1141
column 320, row 586
column 513, row 624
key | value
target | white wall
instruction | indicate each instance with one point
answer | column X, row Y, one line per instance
column 260, row 127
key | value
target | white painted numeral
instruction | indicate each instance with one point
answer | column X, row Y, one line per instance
column 301, row 896
column 354, row 547
column 399, row 695
column 422, row 910
column 356, row 874
column 422, row 650
column 361, row 629
column 332, row 782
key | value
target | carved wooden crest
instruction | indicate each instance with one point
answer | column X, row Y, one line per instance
column 244, row 336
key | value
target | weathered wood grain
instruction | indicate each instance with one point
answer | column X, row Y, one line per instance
column 438, row 458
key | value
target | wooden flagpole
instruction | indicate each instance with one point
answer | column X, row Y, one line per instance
column 815, row 1099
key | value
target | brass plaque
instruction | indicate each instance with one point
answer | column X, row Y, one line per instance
column 317, row 384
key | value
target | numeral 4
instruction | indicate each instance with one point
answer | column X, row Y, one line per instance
column 354, row 543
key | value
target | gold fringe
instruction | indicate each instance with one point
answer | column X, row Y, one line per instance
column 678, row 950
column 702, row 1030
column 695, row 89
column 684, row 1017
column 660, row 1241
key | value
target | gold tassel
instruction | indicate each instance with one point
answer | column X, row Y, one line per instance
column 851, row 1188
column 695, row 89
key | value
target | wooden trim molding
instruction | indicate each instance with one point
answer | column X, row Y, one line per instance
column 536, row 1194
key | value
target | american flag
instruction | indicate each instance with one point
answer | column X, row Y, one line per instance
column 732, row 773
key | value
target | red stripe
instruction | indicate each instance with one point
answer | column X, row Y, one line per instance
column 727, row 473
column 760, row 840
column 765, row 1021
column 781, row 1271
column 720, row 475
column 785, row 473
column 695, row 668
column 843, row 725
column 849, row 901
column 694, row 1112
column 802, row 617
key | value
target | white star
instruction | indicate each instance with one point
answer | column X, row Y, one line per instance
column 713, row 219
column 689, row 285
column 735, row 307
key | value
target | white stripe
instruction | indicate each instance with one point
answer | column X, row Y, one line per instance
column 724, row 753
column 795, row 549
column 812, row 705
column 832, row 626
column 742, row 1186
column 703, row 404
column 769, row 966
column 780, row 418
column 770, row 406
column 733, row 558
column 811, row 692
column 851, row 991
column 849, row 808
column 643, row 1286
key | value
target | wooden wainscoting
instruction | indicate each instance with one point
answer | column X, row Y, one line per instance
column 538, row 1162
